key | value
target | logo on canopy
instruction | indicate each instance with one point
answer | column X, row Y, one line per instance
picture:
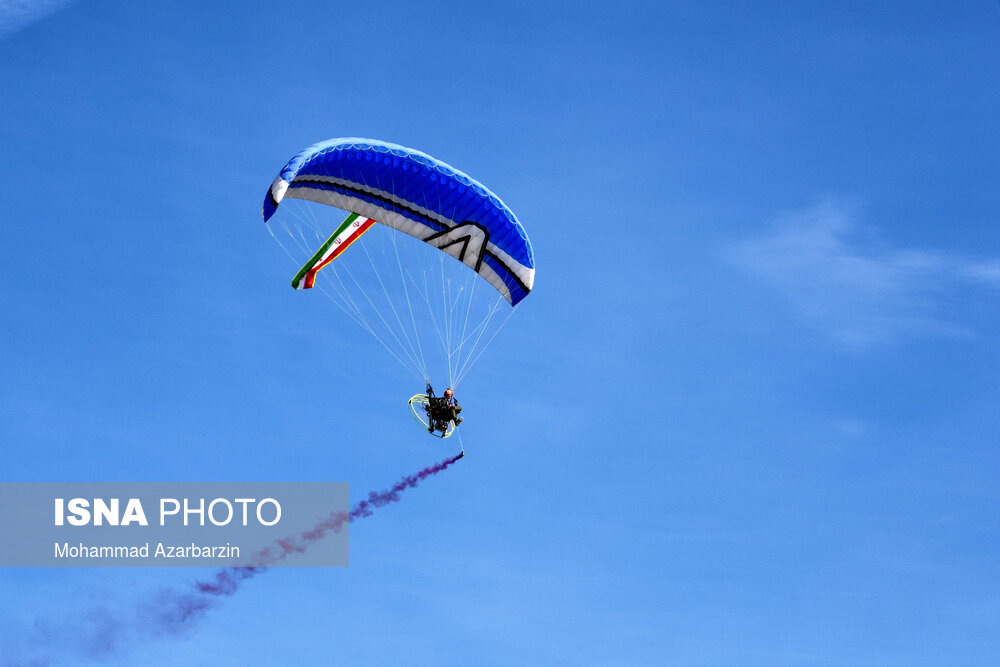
column 465, row 242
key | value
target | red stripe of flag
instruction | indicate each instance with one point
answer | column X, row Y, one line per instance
column 361, row 228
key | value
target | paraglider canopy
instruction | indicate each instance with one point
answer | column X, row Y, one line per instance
column 418, row 195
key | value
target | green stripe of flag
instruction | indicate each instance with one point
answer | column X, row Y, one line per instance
column 322, row 250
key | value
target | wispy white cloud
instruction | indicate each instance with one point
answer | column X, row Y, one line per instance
column 856, row 291
column 16, row 15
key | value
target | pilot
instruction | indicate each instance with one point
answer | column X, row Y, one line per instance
column 442, row 409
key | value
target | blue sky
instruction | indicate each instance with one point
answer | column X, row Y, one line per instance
column 748, row 415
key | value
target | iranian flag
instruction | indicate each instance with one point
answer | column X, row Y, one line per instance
column 348, row 232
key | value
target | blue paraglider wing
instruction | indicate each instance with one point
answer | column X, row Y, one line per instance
column 418, row 195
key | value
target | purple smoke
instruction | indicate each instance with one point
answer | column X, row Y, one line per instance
column 174, row 613
column 227, row 580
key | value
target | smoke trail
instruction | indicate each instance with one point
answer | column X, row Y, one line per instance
column 175, row 613
column 227, row 580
